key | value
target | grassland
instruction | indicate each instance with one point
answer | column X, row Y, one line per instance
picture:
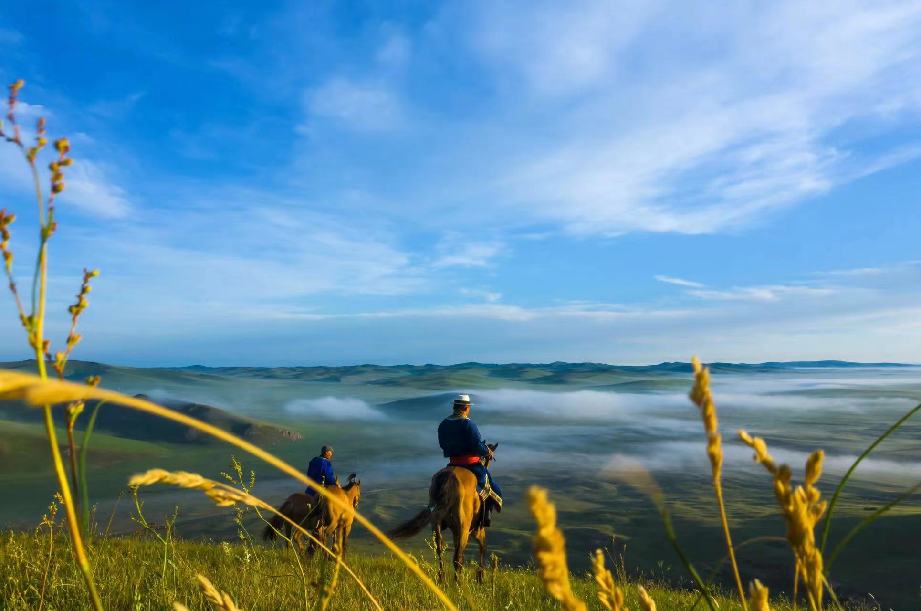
column 564, row 435
column 139, row 573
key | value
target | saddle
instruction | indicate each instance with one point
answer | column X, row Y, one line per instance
column 485, row 493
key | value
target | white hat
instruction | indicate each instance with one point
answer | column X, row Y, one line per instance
column 462, row 399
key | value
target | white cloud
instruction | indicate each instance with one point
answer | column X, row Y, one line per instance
column 117, row 108
column 456, row 250
column 559, row 48
column 395, row 51
column 334, row 408
column 698, row 121
column 359, row 105
column 88, row 187
column 487, row 296
column 774, row 292
column 678, row 281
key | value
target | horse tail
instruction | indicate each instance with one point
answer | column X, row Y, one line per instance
column 419, row 521
column 413, row 526
column 274, row 526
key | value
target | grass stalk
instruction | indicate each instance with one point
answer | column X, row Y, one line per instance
column 36, row 391
column 702, row 396
column 826, row 526
column 866, row 522
column 81, row 466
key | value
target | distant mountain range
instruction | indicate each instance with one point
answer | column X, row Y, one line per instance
column 470, row 374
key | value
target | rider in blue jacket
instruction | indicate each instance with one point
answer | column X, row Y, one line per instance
column 320, row 470
column 461, row 442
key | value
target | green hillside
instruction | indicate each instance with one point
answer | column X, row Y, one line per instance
column 141, row 573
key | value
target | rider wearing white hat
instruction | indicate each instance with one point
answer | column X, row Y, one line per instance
column 461, row 442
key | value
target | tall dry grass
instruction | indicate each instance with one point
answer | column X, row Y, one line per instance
column 801, row 506
column 40, row 391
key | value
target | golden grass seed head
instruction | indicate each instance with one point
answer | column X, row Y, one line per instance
column 62, row 146
column 646, row 601
column 217, row 599
column 550, row 551
column 758, row 596
column 610, row 596
column 814, row 467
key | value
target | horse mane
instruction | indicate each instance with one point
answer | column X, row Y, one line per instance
column 352, row 482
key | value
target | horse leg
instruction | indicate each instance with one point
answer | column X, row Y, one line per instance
column 480, row 536
column 339, row 541
column 346, row 531
column 439, row 550
column 461, row 536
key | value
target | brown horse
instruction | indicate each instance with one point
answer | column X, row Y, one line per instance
column 318, row 516
column 453, row 504
column 296, row 508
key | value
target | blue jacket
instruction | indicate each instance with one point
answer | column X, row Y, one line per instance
column 320, row 470
column 460, row 437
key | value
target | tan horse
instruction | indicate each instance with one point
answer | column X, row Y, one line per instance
column 335, row 520
column 319, row 517
column 453, row 504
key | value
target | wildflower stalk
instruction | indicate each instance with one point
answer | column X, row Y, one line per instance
column 702, row 396
column 35, row 391
column 35, row 322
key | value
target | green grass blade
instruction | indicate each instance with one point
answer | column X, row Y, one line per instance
column 826, row 526
column 673, row 539
column 84, row 487
column 866, row 522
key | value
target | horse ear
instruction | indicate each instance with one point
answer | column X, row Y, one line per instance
column 352, row 477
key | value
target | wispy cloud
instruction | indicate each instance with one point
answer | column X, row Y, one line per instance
column 116, row 108
column 458, row 250
column 679, row 281
column 90, row 189
column 773, row 292
column 702, row 142
column 360, row 105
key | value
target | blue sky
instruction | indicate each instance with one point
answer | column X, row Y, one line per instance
column 303, row 183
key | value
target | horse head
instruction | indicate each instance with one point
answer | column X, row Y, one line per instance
column 492, row 452
column 353, row 488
